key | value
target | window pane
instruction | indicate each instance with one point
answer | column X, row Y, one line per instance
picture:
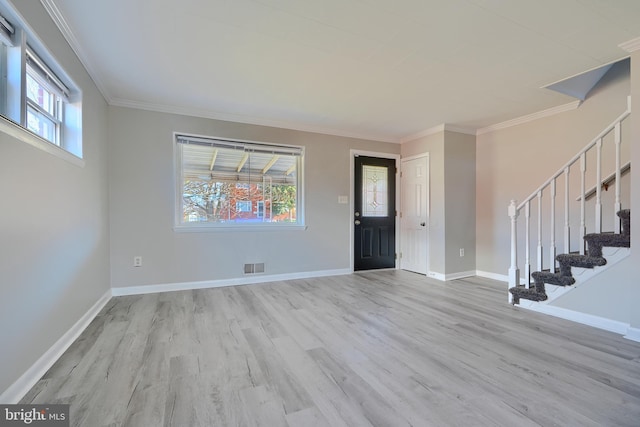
column 41, row 124
column 374, row 191
column 41, row 96
column 227, row 185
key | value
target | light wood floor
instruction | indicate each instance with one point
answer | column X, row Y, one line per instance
column 387, row 348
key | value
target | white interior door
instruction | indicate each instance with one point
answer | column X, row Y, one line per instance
column 414, row 221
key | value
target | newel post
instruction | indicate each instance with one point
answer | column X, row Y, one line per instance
column 514, row 272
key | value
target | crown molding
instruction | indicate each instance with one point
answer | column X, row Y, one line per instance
column 631, row 45
column 431, row 131
column 67, row 33
column 460, row 129
column 530, row 117
column 239, row 118
column 437, row 129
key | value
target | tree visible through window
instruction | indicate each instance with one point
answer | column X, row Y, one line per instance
column 229, row 182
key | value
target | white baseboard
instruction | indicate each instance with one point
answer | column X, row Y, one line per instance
column 248, row 280
column 498, row 277
column 22, row 385
column 493, row 276
column 436, row 275
column 633, row 334
column 583, row 318
column 460, row 275
column 452, row 276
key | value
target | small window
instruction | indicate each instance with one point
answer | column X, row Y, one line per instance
column 236, row 183
column 244, row 206
column 36, row 94
column 44, row 108
column 260, row 209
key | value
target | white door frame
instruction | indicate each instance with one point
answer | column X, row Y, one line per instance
column 428, row 200
column 352, row 156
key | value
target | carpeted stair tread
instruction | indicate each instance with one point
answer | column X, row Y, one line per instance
column 625, row 217
column 562, row 276
column 552, row 278
column 534, row 294
column 583, row 261
column 596, row 241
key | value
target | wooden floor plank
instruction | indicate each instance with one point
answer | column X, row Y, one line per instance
column 387, row 348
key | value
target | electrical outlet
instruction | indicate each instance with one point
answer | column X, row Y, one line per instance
column 461, row 251
column 137, row 261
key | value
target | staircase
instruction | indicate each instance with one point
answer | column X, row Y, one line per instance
column 594, row 258
column 584, row 215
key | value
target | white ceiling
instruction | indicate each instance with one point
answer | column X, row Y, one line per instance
column 376, row 69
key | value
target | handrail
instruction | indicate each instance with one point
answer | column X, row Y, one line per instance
column 605, row 182
column 550, row 185
column 577, row 156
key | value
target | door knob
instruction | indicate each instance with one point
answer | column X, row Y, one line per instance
column 357, row 214
column 356, row 222
column 422, row 224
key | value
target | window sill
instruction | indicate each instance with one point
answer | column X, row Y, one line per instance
column 12, row 129
column 236, row 228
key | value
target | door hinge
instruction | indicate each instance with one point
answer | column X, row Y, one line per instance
column 400, row 174
column 400, row 214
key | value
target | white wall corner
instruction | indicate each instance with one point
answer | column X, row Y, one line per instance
column 22, row 385
column 437, row 276
column 630, row 45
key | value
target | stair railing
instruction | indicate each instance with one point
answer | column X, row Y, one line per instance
column 515, row 209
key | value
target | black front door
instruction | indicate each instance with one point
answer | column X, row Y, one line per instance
column 374, row 213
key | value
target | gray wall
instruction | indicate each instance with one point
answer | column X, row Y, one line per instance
column 452, row 191
column 513, row 162
column 142, row 204
column 460, row 202
column 54, row 257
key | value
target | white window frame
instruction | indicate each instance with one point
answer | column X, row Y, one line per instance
column 243, row 205
column 23, row 53
column 203, row 226
column 260, row 209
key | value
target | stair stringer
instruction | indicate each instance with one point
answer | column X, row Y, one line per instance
column 582, row 275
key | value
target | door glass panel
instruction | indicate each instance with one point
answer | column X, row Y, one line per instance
column 374, row 191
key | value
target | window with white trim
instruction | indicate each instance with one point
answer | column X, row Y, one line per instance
column 35, row 92
column 223, row 182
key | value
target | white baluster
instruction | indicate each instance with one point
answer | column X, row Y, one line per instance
column 552, row 226
column 539, row 254
column 514, row 272
column 599, row 186
column 527, row 243
column 617, row 205
column 567, row 225
column 583, row 224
